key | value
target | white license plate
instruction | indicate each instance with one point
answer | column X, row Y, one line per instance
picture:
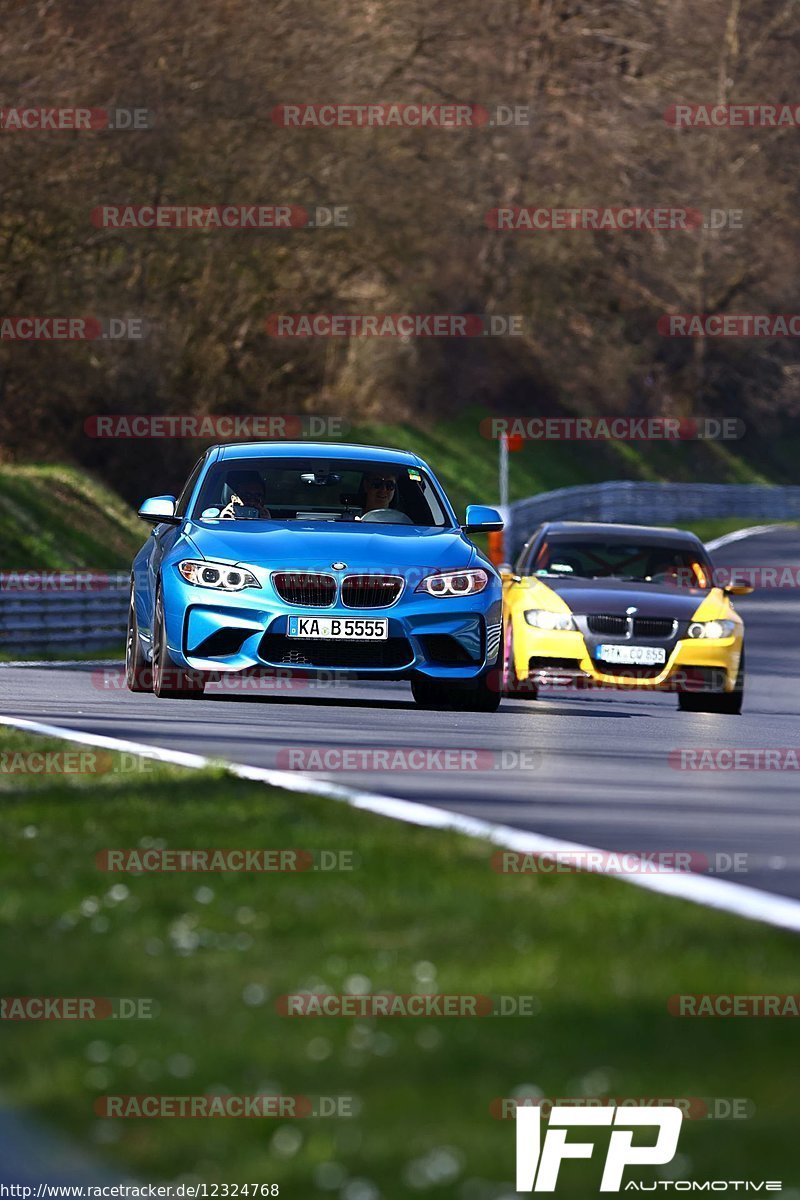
column 644, row 656
column 355, row 629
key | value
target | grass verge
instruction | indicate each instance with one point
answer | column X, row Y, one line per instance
column 55, row 518
column 421, row 911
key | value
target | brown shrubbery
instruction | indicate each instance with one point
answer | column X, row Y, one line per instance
column 596, row 78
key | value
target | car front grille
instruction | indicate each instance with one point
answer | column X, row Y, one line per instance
column 602, row 623
column 644, row 627
column 279, row 650
column 653, row 627
column 370, row 591
column 308, row 589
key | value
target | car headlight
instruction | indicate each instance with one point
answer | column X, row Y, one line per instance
column 542, row 618
column 454, row 583
column 712, row 629
column 221, row 576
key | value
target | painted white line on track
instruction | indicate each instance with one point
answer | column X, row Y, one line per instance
column 738, row 535
column 751, row 903
column 65, row 662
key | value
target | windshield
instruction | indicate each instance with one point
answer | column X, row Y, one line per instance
column 284, row 489
column 642, row 562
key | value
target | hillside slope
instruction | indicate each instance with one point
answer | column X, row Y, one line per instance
column 58, row 518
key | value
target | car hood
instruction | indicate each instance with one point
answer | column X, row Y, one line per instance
column 315, row 545
column 589, row 596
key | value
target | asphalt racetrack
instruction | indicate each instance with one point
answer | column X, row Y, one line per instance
column 589, row 767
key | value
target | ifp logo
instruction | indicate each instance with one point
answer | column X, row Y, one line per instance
column 538, row 1164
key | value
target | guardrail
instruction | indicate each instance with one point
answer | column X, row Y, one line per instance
column 631, row 502
column 54, row 611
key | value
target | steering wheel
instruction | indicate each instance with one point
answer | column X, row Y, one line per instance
column 386, row 516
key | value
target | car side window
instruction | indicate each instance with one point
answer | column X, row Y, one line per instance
column 183, row 500
column 528, row 554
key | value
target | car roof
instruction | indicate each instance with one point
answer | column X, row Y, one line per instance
column 326, row 450
column 614, row 532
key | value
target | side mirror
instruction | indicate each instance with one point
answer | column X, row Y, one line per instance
column 158, row 509
column 738, row 589
column 481, row 519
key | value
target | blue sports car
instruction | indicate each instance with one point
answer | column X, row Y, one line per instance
column 315, row 559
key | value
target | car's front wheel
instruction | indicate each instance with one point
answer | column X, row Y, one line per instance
column 171, row 682
column 138, row 672
column 728, row 703
column 458, row 695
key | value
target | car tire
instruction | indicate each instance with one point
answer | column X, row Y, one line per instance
column 727, row 703
column 458, row 695
column 512, row 687
column 138, row 672
column 171, row 682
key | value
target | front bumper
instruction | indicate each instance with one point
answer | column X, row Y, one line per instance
column 211, row 631
column 565, row 658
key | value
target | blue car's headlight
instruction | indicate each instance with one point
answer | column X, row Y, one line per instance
column 712, row 629
column 543, row 618
column 221, row 576
column 454, row 583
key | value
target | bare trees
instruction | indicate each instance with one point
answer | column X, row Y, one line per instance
column 595, row 78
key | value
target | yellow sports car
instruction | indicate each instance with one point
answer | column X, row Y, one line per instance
column 622, row 606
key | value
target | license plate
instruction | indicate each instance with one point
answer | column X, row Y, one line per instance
column 355, row 629
column 644, row 656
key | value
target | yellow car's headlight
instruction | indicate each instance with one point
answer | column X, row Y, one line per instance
column 712, row 629
column 542, row 618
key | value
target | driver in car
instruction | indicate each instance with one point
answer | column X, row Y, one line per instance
column 251, row 494
column 377, row 491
